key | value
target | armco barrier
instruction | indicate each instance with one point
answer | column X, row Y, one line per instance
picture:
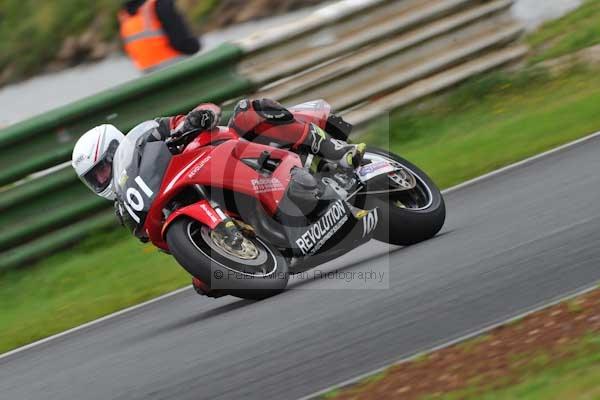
column 211, row 77
column 60, row 239
column 363, row 56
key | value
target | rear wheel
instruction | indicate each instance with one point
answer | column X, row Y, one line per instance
column 254, row 271
column 407, row 216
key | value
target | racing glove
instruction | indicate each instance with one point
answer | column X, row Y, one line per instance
column 200, row 119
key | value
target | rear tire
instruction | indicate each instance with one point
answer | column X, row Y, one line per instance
column 407, row 226
column 192, row 246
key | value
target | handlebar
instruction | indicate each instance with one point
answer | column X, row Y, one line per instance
column 176, row 140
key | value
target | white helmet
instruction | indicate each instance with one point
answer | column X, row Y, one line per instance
column 93, row 157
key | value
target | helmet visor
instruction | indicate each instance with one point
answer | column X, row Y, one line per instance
column 98, row 178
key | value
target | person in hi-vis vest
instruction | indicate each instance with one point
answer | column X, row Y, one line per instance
column 154, row 34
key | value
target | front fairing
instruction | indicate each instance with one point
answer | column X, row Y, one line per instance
column 225, row 165
column 138, row 170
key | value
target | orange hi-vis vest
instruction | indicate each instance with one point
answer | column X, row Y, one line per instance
column 145, row 40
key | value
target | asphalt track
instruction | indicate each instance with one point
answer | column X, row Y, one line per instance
column 511, row 242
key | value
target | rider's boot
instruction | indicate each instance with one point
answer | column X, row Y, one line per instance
column 354, row 156
column 347, row 156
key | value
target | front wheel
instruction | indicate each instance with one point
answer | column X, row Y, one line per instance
column 255, row 271
column 408, row 216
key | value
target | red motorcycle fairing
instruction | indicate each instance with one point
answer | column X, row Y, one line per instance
column 214, row 160
column 201, row 211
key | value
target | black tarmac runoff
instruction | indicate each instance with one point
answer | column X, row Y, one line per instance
column 511, row 242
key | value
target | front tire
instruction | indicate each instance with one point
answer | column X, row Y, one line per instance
column 412, row 218
column 258, row 273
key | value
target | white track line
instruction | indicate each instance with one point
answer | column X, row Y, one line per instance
column 163, row 297
column 521, row 163
column 460, row 339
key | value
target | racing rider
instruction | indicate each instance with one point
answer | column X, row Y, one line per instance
column 258, row 120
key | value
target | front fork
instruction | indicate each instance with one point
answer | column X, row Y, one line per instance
column 226, row 227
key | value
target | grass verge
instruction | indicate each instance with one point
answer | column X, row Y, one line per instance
column 574, row 378
column 557, row 38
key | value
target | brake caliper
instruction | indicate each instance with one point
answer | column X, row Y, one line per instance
column 229, row 233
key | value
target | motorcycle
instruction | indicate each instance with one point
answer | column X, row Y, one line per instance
column 241, row 216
